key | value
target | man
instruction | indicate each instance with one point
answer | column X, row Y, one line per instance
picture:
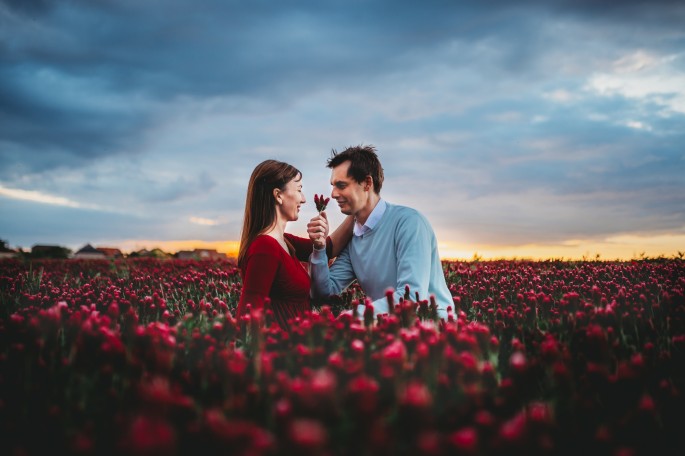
column 393, row 246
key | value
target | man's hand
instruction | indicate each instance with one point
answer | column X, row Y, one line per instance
column 317, row 228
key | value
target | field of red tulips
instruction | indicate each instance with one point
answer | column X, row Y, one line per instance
column 145, row 357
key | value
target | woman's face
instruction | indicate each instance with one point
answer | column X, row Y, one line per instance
column 291, row 198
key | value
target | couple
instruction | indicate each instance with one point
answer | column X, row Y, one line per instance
column 381, row 245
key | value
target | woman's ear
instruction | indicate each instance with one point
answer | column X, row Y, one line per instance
column 277, row 196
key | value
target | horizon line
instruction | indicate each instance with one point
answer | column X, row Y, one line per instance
column 616, row 248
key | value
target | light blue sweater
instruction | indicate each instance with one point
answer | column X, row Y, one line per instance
column 400, row 250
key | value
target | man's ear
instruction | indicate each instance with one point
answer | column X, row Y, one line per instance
column 368, row 183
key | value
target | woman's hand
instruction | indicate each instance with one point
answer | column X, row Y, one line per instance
column 317, row 229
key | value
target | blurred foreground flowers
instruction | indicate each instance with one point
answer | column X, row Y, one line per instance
column 145, row 357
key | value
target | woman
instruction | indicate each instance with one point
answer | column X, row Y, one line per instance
column 269, row 258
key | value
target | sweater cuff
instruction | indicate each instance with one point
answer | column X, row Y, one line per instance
column 319, row 256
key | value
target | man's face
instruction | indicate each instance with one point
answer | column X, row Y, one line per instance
column 349, row 194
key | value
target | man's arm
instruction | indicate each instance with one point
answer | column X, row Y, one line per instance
column 330, row 281
column 318, row 230
column 342, row 234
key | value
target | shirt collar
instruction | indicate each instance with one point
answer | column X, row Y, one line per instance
column 373, row 219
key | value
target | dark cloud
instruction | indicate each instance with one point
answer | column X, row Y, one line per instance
column 31, row 7
column 181, row 188
column 238, row 48
column 662, row 12
column 43, row 128
column 85, row 80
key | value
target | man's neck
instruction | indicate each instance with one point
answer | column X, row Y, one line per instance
column 363, row 215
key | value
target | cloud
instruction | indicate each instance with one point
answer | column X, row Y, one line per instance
column 560, row 96
column 39, row 197
column 646, row 77
column 203, row 221
column 29, row 223
column 528, row 121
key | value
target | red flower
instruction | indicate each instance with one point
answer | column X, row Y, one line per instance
column 465, row 440
column 540, row 413
column 308, row 436
column 429, row 443
column 150, row 436
column 417, row 396
column 320, row 202
column 158, row 392
column 518, row 361
column 362, row 393
column 395, row 354
column 513, row 430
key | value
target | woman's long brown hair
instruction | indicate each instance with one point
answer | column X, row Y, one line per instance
column 260, row 203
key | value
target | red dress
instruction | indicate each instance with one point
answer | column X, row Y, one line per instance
column 270, row 271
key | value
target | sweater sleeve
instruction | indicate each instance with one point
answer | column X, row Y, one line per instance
column 304, row 246
column 330, row 281
column 260, row 272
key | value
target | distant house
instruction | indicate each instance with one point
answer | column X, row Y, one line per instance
column 88, row 252
column 186, row 255
column 110, row 252
column 210, row 254
column 200, row 254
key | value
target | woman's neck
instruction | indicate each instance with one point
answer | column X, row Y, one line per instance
column 277, row 230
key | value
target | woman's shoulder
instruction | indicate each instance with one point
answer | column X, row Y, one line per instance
column 264, row 244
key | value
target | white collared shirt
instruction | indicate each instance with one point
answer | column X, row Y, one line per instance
column 373, row 219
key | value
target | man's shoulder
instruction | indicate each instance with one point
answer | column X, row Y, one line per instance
column 407, row 220
column 404, row 213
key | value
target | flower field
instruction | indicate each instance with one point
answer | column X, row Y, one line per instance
column 145, row 357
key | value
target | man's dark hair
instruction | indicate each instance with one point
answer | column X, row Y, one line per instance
column 363, row 162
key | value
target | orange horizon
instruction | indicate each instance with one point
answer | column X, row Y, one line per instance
column 622, row 248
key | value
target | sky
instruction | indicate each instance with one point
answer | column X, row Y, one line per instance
column 529, row 129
